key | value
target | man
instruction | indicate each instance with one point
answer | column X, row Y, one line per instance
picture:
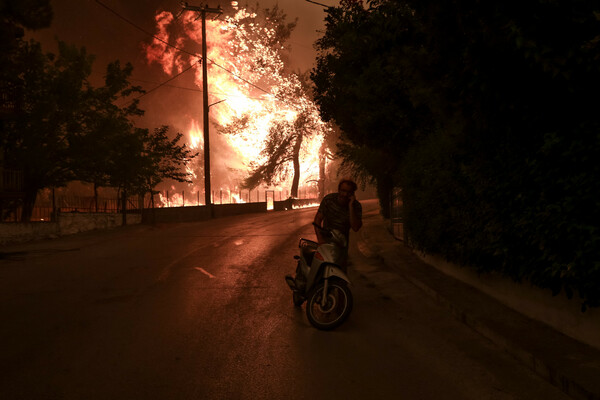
column 339, row 211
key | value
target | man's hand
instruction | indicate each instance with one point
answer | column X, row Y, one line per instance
column 352, row 198
column 355, row 220
column 317, row 223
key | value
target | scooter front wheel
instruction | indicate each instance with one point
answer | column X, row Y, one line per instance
column 337, row 306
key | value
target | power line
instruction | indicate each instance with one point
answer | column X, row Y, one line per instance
column 169, row 80
column 198, row 90
column 191, row 89
column 165, row 82
column 177, row 48
column 239, row 77
column 319, row 4
column 145, row 31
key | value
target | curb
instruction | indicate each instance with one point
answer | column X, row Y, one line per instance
column 571, row 366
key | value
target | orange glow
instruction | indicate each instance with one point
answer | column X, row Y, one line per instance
column 238, row 47
column 237, row 198
column 158, row 51
column 297, row 206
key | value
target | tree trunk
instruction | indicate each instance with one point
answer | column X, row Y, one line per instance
column 322, row 164
column 28, row 204
column 96, row 197
column 385, row 186
column 296, row 161
column 124, row 205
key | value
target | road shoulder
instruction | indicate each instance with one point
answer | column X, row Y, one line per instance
column 564, row 362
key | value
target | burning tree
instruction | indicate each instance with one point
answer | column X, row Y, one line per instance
column 282, row 148
column 269, row 119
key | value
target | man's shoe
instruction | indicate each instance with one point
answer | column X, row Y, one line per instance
column 291, row 282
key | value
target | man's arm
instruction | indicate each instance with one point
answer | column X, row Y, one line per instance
column 318, row 223
column 355, row 215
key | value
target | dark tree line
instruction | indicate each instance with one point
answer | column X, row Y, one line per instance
column 64, row 129
column 486, row 115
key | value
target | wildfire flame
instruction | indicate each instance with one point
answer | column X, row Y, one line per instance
column 246, row 69
column 309, row 205
column 173, row 198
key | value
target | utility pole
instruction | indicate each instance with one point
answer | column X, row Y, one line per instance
column 203, row 11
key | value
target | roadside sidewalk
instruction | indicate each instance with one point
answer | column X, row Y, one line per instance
column 572, row 366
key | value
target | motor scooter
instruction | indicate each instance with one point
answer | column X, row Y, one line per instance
column 321, row 280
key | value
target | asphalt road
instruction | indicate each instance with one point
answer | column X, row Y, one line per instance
column 201, row 311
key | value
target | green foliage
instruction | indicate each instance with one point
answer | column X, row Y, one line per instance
column 53, row 91
column 369, row 166
column 110, row 151
column 105, row 128
column 368, row 93
column 142, row 159
column 30, row 14
column 165, row 158
column 68, row 130
column 15, row 17
column 490, row 111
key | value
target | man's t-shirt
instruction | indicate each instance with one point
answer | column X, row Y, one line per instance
column 337, row 216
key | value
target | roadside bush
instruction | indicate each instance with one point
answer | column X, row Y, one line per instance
column 532, row 218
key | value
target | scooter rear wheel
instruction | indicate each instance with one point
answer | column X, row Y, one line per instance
column 336, row 309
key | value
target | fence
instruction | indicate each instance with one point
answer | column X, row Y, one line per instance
column 9, row 99
column 47, row 205
column 11, row 181
column 45, row 208
column 223, row 196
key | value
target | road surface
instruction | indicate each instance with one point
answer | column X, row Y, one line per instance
column 201, row 311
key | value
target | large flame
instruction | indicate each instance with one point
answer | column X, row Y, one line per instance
column 246, row 70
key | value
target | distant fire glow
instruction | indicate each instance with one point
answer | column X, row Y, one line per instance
column 297, row 206
column 239, row 47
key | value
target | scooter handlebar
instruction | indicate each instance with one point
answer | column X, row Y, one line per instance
column 332, row 236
